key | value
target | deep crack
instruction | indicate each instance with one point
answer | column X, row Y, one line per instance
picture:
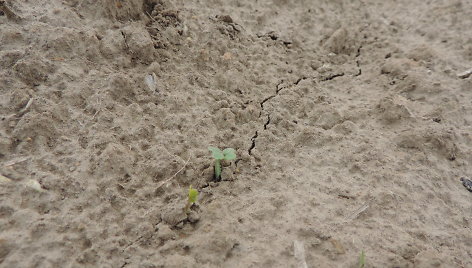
column 267, row 122
column 253, row 145
column 299, row 80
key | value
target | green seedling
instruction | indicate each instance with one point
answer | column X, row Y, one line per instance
column 192, row 198
column 218, row 155
column 362, row 260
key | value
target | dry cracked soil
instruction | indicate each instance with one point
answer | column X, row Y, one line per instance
column 351, row 121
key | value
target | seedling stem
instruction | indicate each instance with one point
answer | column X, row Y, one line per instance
column 192, row 198
column 218, row 155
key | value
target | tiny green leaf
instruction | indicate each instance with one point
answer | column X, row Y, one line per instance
column 216, row 153
column 229, row 154
column 362, row 260
column 192, row 195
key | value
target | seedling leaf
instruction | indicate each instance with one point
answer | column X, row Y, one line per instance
column 216, row 153
column 192, row 195
column 362, row 260
column 229, row 154
column 226, row 154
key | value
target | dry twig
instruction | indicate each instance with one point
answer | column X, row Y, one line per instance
column 24, row 110
column 16, row 161
column 173, row 176
column 360, row 210
column 299, row 252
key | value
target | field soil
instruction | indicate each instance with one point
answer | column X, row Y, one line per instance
column 351, row 121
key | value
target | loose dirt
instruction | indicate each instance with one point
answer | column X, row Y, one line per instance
column 351, row 121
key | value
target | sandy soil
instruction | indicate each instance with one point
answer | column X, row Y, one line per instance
column 351, row 126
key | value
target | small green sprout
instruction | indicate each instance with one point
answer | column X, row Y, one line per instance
column 192, row 198
column 226, row 154
column 362, row 260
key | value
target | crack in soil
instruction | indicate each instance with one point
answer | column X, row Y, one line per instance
column 268, row 122
column 299, row 80
column 253, row 140
column 332, row 76
column 278, row 88
column 264, row 101
column 358, row 63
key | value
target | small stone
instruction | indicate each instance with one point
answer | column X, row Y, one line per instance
column 465, row 74
column 467, row 183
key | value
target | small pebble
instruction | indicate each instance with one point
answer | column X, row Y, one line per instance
column 467, row 183
column 465, row 74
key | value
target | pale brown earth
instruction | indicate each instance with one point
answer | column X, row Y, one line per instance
column 351, row 126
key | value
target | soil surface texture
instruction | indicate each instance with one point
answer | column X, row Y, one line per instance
column 351, row 121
